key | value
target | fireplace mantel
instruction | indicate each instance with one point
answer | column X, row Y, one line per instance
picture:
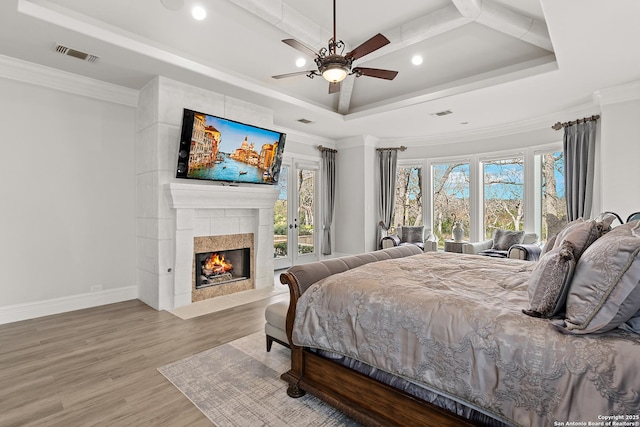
column 205, row 209
column 214, row 196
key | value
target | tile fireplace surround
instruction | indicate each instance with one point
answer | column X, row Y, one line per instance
column 208, row 210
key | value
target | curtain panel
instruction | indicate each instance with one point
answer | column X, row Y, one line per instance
column 387, row 162
column 329, row 173
column 579, row 161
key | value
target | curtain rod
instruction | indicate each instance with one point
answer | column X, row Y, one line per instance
column 559, row 125
column 401, row 148
column 331, row 150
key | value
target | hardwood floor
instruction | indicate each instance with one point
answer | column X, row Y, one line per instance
column 99, row 366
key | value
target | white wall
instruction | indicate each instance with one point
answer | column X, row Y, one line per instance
column 68, row 194
column 356, row 212
column 476, row 144
column 620, row 157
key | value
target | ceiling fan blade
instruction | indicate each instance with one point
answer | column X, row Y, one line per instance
column 375, row 72
column 374, row 43
column 301, row 47
column 334, row 87
column 297, row 73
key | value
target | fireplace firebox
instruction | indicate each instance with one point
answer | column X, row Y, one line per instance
column 237, row 250
column 222, row 267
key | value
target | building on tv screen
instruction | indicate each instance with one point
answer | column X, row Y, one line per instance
column 229, row 151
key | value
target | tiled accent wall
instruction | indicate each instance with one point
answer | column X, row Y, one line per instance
column 161, row 225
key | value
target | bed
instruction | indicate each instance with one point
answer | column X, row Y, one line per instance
column 401, row 337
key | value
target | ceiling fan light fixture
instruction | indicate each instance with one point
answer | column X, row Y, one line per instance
column 333, row 65
column 335, row 73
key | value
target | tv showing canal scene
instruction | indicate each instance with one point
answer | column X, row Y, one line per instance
column 217, row 149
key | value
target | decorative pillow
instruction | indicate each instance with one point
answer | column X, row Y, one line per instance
column 549, row 282
column 504, row 239
column 580, row 233
column 549, row 245
column 633, row 324
column 412, row 234
column 606, row 219
column 605, row 291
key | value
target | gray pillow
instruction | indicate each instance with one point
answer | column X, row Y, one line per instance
column 504, row 239
column 580, row 233
column 605, row 290
column 549, row 282
column 633, row 324
column 549, row 245
column 412, row 234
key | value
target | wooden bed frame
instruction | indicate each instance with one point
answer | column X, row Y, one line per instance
column 366, row 400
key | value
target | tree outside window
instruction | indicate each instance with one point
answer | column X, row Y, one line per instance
column 408, row 206
column 503, row 195
column 306, row 179
column 554, row 204
column 280, row 217
column 450, row 199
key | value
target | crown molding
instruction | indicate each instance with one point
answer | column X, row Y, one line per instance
column 357, row 142
column 51, row 78
column 616, row 94
column 524, row 126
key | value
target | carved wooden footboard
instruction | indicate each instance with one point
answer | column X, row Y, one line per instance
column 365, row 399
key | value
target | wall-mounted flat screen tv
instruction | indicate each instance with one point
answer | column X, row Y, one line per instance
column 217, row 149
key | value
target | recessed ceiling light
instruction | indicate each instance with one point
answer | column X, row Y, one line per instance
column 301, row 62
column 198, row 13
column 416, row 60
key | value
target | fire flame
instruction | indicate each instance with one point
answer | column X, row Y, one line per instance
column 217, row 264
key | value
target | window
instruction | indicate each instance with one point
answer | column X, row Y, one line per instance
column 485, row 192
column 503, row 194
column 281, row 216
column 450, row 199
column 553, row 207
column 408, row 206
column 306, row 209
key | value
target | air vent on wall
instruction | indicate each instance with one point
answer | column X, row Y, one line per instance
column 442, row 113
column 305, row 121
column 75, row 53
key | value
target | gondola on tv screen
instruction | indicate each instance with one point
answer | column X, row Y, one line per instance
column 217, row 149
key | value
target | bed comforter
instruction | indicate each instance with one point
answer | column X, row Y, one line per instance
column 454, row 324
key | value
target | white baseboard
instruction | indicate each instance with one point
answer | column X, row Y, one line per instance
column 15, row 313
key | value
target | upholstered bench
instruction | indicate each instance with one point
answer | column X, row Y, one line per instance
column 275, row 328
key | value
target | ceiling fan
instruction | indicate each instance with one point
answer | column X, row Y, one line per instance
column 334, row 66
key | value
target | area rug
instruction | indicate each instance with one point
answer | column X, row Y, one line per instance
column 238, row 384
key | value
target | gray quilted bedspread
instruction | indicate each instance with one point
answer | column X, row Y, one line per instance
column 454, row 324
